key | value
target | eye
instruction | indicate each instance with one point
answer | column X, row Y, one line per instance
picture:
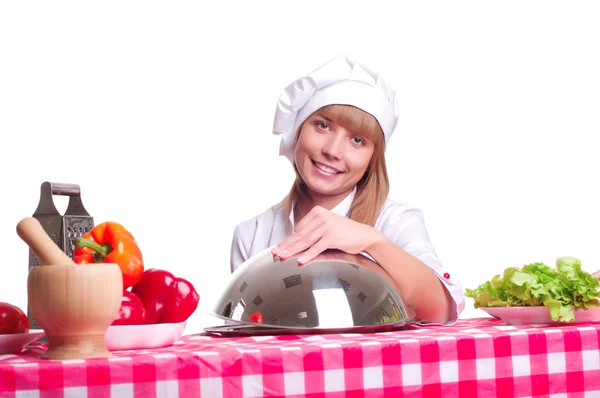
column 322, row 125
column 358, row 141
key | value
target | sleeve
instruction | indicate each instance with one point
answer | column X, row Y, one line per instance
column 238, row 253
column 406, row 228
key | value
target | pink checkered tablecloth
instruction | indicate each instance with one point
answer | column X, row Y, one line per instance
column 476, row 357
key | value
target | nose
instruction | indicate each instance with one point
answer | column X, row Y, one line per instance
column 333, row 146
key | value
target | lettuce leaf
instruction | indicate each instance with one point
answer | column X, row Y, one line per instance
column 562, row 289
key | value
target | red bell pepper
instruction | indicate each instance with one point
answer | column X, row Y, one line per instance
column 132, row 311
column 167, row 299
column 110, row 242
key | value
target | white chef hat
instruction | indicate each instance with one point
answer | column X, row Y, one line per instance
column 339, row 81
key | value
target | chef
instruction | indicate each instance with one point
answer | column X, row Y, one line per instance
column 335, row 124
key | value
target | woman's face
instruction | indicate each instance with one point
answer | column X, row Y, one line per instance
column 330, row 159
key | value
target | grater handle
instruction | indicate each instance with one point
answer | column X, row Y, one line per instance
column 59, row 188
column 31, row 232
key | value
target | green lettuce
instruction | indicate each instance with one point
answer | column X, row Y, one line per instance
column 562, row 289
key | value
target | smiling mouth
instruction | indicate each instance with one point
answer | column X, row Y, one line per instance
column 326, row 169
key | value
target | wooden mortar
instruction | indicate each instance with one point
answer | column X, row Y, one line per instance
column 74, row 303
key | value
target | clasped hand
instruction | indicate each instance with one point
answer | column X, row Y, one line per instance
column 321, row 230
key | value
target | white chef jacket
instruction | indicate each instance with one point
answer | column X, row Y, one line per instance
column 401, row 223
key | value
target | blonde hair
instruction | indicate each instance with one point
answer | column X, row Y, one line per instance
column 373, row 188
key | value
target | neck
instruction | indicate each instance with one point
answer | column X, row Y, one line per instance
column 311, row 199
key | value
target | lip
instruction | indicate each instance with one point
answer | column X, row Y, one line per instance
column 326, row 165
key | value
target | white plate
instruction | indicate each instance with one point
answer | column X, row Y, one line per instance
column 14, row 343
column 138, row 337
column 538, row 315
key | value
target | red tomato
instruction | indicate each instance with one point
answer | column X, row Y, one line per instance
column 12, row 319
column 256, row 317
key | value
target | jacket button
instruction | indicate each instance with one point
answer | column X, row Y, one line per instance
column 447, row 275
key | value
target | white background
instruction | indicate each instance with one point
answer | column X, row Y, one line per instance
column 162, row 113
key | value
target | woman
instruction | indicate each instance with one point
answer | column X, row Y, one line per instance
column 335, row 124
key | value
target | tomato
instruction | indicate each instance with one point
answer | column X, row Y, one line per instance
column 12, row 319
column 256, row 317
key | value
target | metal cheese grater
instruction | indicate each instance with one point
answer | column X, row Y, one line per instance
column 62, row 229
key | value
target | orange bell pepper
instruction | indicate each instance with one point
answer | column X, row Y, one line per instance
column 110, row 242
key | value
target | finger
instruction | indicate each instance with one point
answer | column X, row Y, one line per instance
column 316, row 249
column 304, row 242
column 329, row 255
column 315, row 215
column 283, row 248
column 338, row 255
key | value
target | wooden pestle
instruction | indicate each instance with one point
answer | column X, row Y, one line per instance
column 31, row 231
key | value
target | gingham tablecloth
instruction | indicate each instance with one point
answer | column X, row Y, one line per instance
column 476, row 357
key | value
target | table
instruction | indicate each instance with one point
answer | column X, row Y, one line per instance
column 476, row 357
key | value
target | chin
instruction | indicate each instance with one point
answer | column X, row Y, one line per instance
column 326, row 190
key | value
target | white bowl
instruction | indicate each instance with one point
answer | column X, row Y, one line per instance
column 14, row 343
column 138, row 337
column 539, row 315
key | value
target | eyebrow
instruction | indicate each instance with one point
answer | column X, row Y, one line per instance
column 325, row 117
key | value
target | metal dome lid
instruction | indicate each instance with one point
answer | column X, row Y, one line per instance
column 333, row 293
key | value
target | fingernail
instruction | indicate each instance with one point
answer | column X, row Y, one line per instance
column 301, row 260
